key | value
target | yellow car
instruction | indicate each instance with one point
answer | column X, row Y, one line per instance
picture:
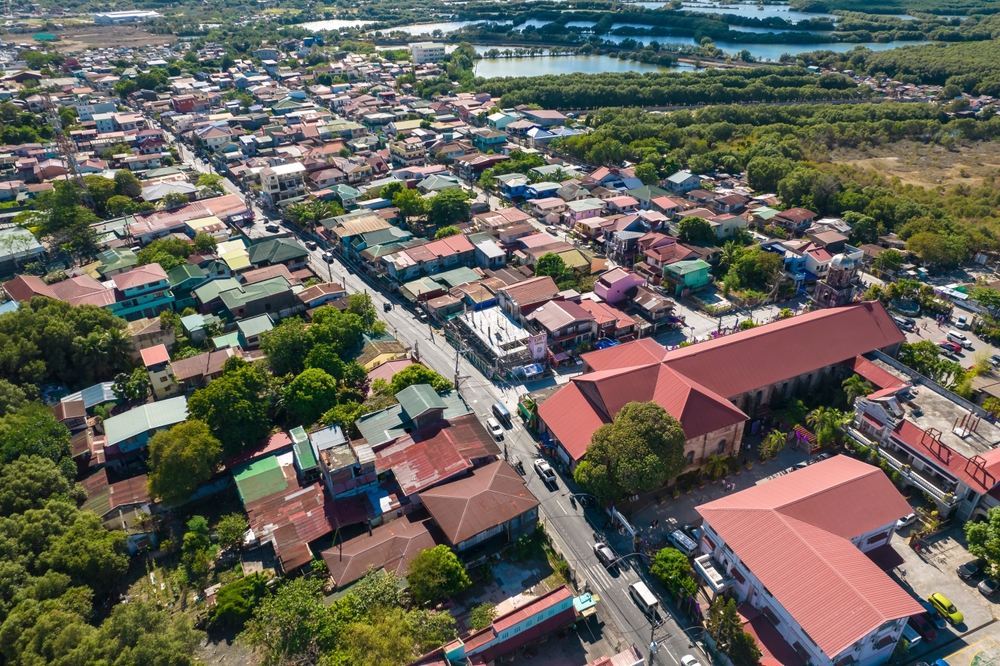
column 946, row 608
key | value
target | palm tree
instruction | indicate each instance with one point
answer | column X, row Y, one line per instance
column 855, row 387
column 312, row 213
column 773, row 443
column 116, row 348
column 716, row 466
column 729, row 254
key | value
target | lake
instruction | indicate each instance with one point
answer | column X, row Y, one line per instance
column 333, row 24
column 743, row 9
column 545, row 64
column 412, row 29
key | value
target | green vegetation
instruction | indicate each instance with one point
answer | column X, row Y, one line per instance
column 368, row 627
column 725, row 626
column 638, row 452
column 671, row 567
column 235, row 602
column 482, row 615
column 435, row 574
column 181, row 459
column 418, row 374
column 234, row 406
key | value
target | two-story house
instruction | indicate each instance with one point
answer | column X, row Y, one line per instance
column 565, row 323
column 141, row 292
column 130, row 431
column 273, row 296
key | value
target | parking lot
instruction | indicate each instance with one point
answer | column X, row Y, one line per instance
column 932, row 569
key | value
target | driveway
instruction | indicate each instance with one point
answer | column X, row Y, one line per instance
column 932, row 569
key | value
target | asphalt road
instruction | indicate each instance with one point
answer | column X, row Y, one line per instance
column 574, row 528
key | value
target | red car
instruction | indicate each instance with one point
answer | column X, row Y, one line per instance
column 949, row 347
column 924, row 627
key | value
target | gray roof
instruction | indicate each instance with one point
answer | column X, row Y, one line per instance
column 93, row 395
column 24, row 246
column 151, row 416
column 679, row 177
column 327, row 438
column 392, row 422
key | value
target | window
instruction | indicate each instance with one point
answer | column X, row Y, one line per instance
column 689, row 458
column 722, row 447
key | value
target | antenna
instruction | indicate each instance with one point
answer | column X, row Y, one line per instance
column 67, row 148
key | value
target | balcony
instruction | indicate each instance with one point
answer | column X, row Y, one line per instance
column 941, row 495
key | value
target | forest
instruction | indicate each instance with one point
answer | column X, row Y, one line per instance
column 786, row 150
column 713, row 86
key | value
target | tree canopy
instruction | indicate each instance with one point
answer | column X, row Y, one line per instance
column 181, row 459
column 637, row 452
column 234, row 406
column 436, row 573
column 418, row 374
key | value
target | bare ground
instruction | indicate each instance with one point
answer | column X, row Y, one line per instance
column 81, row 38
column 927, row 165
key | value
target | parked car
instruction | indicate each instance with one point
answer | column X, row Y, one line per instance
column 936, row 618
column 962, row 323
column 995, row 359
column 903, row 324
column 949, row 347
column 552, row 229
column 908, row 519
column 604, row 553
column 688, row 660
column 959, row 338
column 545, row 471
column 273, row 228
column 946, row 608
column 968, row 570
column 988, row 587
column 940, row 662
column 328, row 257
column 495, row 428
column 924, row 627
column 311, row 245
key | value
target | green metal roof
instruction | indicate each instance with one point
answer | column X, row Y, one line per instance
column 241, row 295
column 255, row 325
column 259, row 478
column 116, row 259
column 152, row 416
column 392, row 422
column 687, row 266
column 211, row 290
column 304, row 456
column 227, row 340
column 185, row 272
column 417, row 399
column 457, row 276
column 276, row 251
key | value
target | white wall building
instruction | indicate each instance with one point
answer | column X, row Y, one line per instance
column 285, row 181
column 427, row 52
column 793, row 552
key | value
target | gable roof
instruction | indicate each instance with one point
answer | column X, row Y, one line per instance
column 490, row 496
column 802, row 524
column 139, row 276
column 151, row 416
column 390, row 546
column 276, row 251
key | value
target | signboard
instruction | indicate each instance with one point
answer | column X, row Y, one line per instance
column 536, row 343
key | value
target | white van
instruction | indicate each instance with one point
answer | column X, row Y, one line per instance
column 959, row 338
column 910, row 635
column 683, row 542
column 643, row 597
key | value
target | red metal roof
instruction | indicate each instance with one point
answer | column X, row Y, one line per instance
column 765, row 355
column 490, row 496
column 291, row 519
column 882, row 379
column 542, row 603
column 155, row 355
column 423, row 458
column 391, row 546
column 794, row 534
column 919, row 441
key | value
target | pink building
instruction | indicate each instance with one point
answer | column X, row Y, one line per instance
column 614, row 285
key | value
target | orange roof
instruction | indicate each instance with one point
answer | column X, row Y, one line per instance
column 794, row 534
column 155, row 355
column 980, row 478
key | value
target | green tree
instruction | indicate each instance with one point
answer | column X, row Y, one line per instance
column 933, row 248
column 410, row 204
column 133, row 386
column 418, row 374
column 637, row 452
column 119, row 205
column 444, row 232
column 230, row 530
column 12, row 397
column 764, row 173
column 448, row 207
column 671, row 567
column 29, row 482
column 325, row 358
column 855, row 387
column 100, row 190
column 984, row 539
column 985, row 296
column 127, row 185
column 169, row 253
column 726, row 627
column 435, row 574
column 695, row 229
column 482, row 615
column 379, row 589
column 90, row 554
column 362, row 306
column 212, row 181
column 234, row 603
column 384, row 639
column 292, row 623
column 309, row 395
column 140, row 632
column 234, row 406
column 33, row 430
column 286, row 346
column 174, row 200
column 181, row 459
column 550, row 264
column 647, row 173
column 205, row 242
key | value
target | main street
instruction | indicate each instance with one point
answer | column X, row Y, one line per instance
column 573, row 528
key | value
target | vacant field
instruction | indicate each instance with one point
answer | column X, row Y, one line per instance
column 927, row 165
column 80, row 38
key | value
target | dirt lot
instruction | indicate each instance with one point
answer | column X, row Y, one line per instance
column 927, row 165
column 81, row 38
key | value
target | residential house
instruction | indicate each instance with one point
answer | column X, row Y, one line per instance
column 582, row 209
column 794, row 220
column 252, row 328
column 274, row 251
column 617, row 285
column 610, row 323
column 682, row 181
column 148, row 332
column 518, row 300
column 142, row 292
column 654, row 308
column 198, row 371
column 127, row 433
column 282, row 182
column 566, row 325
column 156, row 360
column 273, row 296
column 686, row 276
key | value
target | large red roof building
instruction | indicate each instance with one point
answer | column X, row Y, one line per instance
column 714, row 387
column 802, row 550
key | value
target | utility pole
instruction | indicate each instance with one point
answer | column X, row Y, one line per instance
column 458, row 377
